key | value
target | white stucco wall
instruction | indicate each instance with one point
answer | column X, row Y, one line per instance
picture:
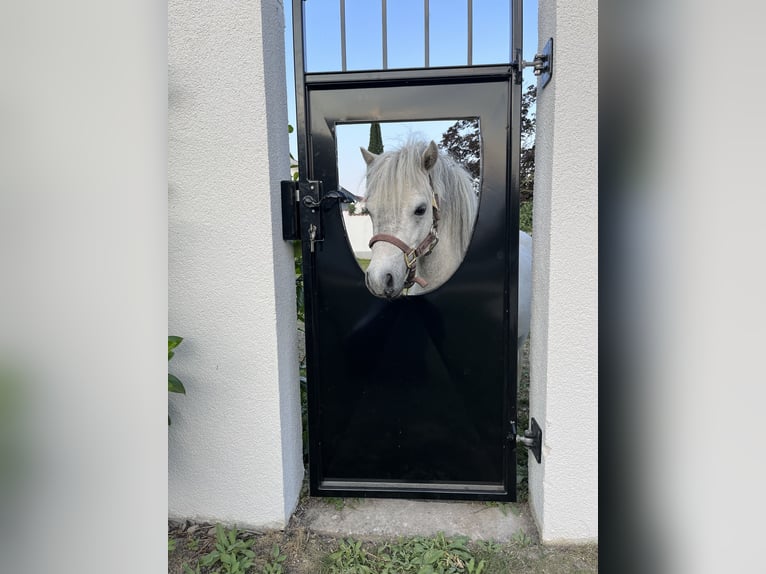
column 235, row 440
column 564, row 339
column 359, row 232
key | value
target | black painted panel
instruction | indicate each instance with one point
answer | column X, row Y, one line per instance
column 415, row 392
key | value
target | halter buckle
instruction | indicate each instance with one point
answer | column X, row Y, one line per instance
column 410, row 258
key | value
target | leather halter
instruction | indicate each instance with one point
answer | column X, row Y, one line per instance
column 412, row 254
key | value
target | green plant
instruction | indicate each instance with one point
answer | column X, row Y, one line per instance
column 299, row 293
column 521, row 538
column 488, row 546
column 235, row 556
column 171, row 544
column 350, row 557
column 419, row 555
column 522, row 422
column 338, row 503
column 301, row 315
column 174, row 384
column 192, row 544
column 293, row 161
column 274, row 566
column 502, row 506
column 376, row 141
column 525, row 216
column 472, row 567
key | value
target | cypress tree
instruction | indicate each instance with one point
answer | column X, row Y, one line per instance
column 376, row 141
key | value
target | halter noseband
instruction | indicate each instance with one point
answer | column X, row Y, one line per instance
column 412, row 254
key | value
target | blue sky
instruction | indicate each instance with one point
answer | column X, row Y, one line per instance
column 405, row 39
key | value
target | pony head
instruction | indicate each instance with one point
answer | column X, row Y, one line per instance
column 400, row 199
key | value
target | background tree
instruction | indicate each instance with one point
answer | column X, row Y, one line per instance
column 528, row 117
column 463, row 142
column 376, row 141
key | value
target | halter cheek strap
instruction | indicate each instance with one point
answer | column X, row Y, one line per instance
column 412, row 254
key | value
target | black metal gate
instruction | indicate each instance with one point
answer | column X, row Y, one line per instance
column 414, row 397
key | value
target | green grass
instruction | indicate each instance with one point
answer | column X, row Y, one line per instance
column 363, row 263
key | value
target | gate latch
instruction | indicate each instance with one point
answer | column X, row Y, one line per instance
column 313, row 199
column 532, row 438
column 341, row 194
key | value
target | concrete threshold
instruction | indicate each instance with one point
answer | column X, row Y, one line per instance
column 379, row 517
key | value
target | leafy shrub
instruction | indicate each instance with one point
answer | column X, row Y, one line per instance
column 525, row 216
column 174, row 384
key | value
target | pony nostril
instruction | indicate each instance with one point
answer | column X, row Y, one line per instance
column 389, row 281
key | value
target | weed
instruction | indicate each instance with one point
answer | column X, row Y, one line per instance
column 274, row 566
column 171, row 544
column 522, row 539
column 473, row 568
column 488, row 546
column 338, row 503
column 192, row 544
column 230, row 556
column 414, row 555
column 502, row 506
column 350, row 556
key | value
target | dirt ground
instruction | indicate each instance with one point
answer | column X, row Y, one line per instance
column 306, row 551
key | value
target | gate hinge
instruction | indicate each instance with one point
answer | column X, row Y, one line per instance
column 542, row 64
column 532, row 438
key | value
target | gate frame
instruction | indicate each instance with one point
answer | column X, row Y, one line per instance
column 510, row 72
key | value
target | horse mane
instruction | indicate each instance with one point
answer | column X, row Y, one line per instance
column 402, row 168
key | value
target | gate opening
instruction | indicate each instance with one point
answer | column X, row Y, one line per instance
column 458, row 140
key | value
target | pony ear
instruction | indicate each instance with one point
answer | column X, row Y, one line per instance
column 430, row 156
column 368, row 156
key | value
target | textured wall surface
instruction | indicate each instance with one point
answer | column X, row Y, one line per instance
column 235, row 440
column 564, row 339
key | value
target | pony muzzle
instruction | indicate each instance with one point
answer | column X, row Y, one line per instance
column 384, row 283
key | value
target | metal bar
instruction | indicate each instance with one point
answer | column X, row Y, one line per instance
column 385, row 34
column 343, row 35
column 302, row 121
column 515, row 28
column 470, row 32
column 417, row 486
column 411, row 76
column 299, row 64
column 426, row 31
column 512, row 225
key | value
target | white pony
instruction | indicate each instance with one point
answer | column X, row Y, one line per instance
column 423, row 209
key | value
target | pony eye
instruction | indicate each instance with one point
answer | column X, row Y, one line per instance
column 420, row 210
